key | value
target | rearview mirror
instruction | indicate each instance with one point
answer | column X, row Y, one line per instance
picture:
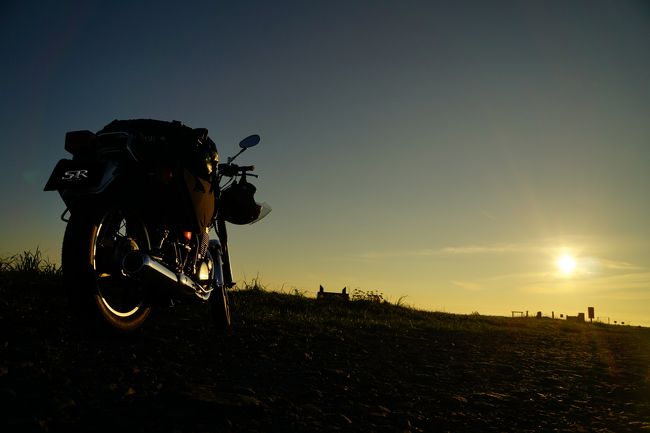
column 250, row 141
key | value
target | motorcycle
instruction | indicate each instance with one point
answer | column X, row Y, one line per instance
column 142, row 196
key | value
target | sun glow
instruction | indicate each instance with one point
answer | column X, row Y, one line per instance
column 566, row 264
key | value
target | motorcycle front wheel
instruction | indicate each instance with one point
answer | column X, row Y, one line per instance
column 94, row 246
column 219, row 299
column 220, row 308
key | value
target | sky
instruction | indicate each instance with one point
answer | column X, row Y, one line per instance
column 445, row 153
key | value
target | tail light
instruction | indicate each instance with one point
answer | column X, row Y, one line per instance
column 164, row 174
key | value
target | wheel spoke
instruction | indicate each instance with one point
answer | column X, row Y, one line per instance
column 118, row 235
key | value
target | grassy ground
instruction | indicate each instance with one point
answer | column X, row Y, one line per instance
column 296, row 364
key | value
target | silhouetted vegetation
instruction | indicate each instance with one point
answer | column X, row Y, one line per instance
column 29, row 264
column 293, row 363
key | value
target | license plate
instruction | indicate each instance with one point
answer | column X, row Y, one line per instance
column 69, row 174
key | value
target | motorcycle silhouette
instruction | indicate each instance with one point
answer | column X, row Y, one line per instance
column 142, row 196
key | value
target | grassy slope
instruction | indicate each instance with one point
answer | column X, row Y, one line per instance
column 296, row 364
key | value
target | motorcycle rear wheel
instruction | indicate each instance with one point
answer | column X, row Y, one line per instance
column 94, row 244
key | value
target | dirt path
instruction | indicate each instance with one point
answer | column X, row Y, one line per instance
column 276, row 373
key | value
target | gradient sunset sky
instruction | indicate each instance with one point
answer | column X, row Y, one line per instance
column 450, row 152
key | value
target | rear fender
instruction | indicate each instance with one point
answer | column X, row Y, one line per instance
column 78, row 178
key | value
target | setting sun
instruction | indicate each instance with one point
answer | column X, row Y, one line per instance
column 566, row 264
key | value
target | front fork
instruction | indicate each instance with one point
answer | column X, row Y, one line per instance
column 222, row 257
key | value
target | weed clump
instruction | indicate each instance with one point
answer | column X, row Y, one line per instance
column 368, row 296
column 29, row 264
column 254, row 284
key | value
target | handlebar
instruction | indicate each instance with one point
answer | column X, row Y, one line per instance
column 231, row 169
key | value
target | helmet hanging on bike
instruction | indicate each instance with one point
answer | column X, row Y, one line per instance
column 237, row 203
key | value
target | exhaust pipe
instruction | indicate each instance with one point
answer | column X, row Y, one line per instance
column 141, row 266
